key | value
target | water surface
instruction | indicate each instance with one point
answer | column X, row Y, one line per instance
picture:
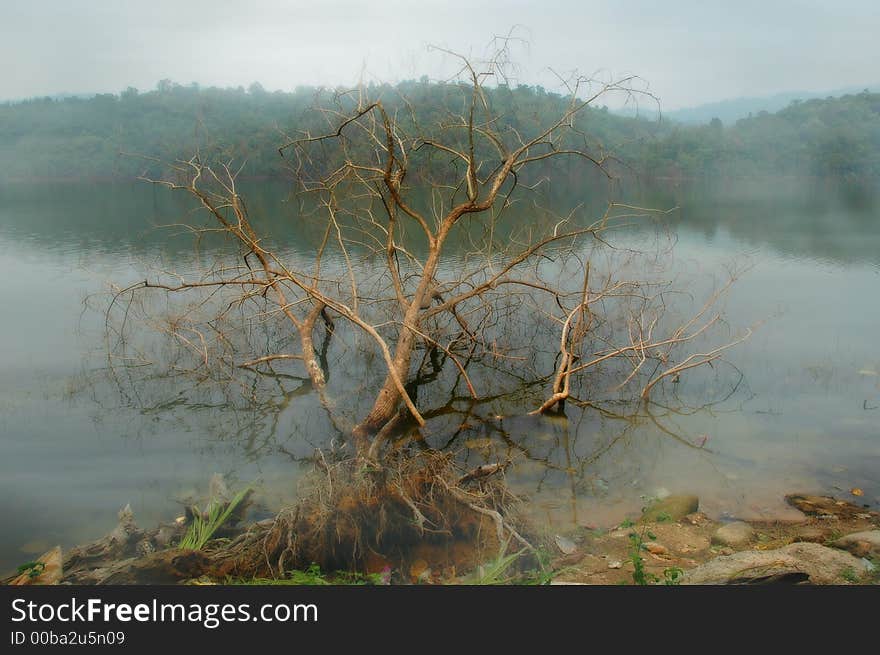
column 805, row 415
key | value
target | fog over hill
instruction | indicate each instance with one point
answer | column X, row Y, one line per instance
column 733, row 109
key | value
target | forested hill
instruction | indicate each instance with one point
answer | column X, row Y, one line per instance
column 83, row 138
column 733, row 109
column 831, row 137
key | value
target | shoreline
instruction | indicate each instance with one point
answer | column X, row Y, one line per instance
column 672, row 542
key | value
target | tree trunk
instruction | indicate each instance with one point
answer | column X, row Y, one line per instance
column 388, row 398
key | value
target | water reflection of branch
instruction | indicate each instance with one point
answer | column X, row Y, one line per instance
column 667, row 431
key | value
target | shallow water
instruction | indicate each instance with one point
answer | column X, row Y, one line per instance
column 804, row 417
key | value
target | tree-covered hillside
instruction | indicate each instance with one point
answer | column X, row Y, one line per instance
column 831, row 137
column 111, row 135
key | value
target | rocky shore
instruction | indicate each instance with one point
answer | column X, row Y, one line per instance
column 672, row 542
column 835, row 542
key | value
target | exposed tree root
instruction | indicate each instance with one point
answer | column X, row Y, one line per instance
column 414, row 511
column 420, row 513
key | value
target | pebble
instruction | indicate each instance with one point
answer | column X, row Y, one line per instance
column 616, row 564
column 697, row 518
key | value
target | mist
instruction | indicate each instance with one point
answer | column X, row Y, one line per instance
column 689, row 53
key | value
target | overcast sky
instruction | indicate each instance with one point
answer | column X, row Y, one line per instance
column 690, row 52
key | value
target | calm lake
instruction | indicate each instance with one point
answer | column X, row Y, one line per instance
column 803, row 417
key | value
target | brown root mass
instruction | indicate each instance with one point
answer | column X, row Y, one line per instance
column 421, row 517
column 415, row 515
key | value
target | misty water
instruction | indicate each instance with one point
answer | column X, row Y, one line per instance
column 797, row 406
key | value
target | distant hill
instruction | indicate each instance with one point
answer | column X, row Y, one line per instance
column 731, row 110
column 74, row 137
column 817, row 137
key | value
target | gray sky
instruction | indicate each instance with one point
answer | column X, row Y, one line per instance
column 689, row 52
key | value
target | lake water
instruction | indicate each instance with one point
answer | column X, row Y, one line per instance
column 805, row 415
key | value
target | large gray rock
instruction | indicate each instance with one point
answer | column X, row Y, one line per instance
column 798, row 562
column 671, row 508
column 735, row 535
column 861, row 544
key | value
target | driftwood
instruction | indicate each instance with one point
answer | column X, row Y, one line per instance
column 45, row 570
column 827, row 507
column 129, row 555
column 163, row 567
column 125, row 542
column 249, row 555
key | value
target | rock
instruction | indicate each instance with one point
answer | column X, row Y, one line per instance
column 656, row 549
column 679, row 537
column 861, row 549
column 798, row 562
column 566, row 545
column 735, row 535
column 671, row 508
column 615, row 564
column 860, row 544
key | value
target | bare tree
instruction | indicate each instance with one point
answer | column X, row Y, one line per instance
column 390, row 193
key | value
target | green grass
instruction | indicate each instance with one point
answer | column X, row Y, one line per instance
column 495, row 571
column 498, row 571
column 849, row 574
column 315, row 577
column 203, row 528
column 671, row 575
column 33, row 569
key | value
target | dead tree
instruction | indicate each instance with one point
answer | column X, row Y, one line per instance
column 378, row 181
